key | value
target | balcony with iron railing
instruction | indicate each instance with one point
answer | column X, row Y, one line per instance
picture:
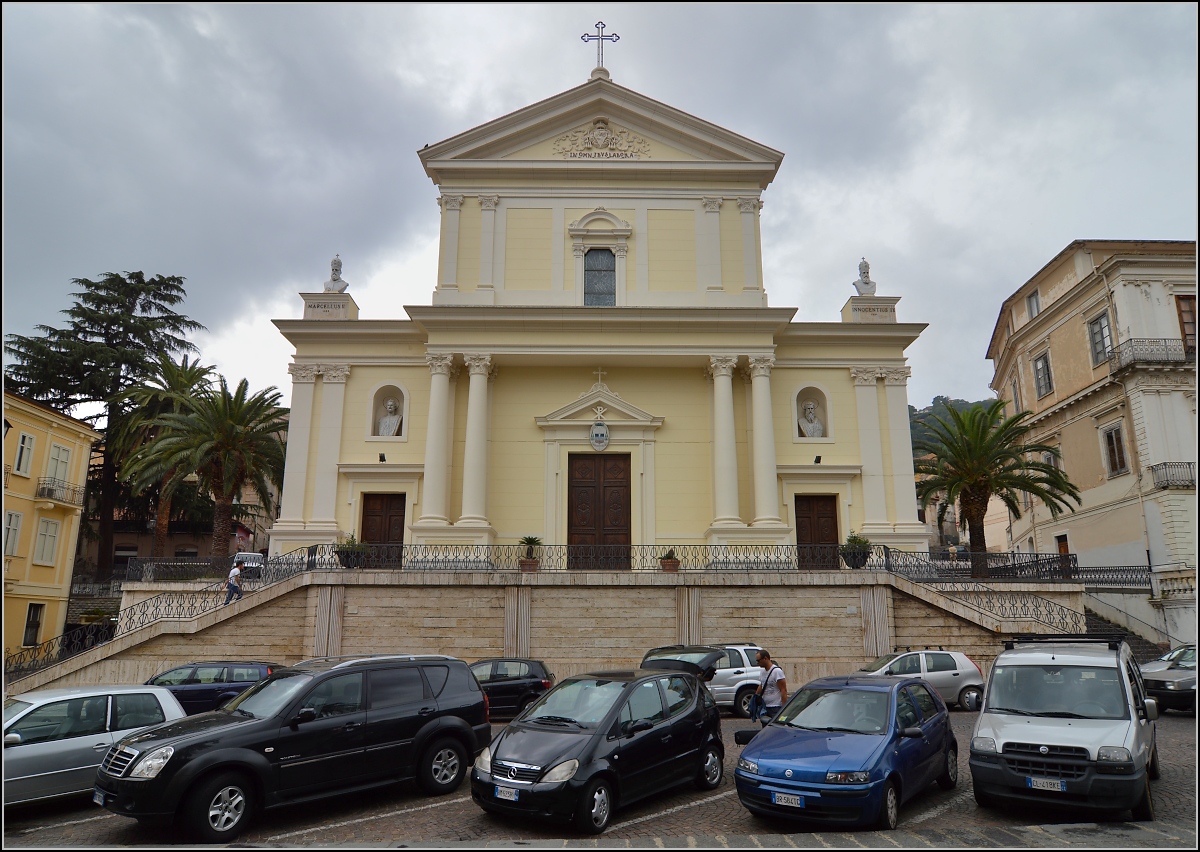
column 60, row 491
column 1150, row 352
column 7, row 471
column 1174, row 474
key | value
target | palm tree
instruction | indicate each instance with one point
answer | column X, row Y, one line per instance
column 229, row 440
column 979, row 454
column 169, row 389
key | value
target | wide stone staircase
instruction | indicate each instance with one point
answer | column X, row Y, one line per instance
column 1143, row 649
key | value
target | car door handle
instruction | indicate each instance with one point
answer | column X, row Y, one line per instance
column 740, row 671
column 667, row 738
column 100, row 747
column 955, row 674
column 350, row 726
column 425, row 711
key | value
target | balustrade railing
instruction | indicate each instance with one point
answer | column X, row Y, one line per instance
column 1174, row 474
column 1142, row 350
column 60, row 490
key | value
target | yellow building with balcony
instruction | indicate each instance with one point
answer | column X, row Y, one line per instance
column 46, row 455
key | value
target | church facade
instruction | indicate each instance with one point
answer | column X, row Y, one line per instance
column 599, row 365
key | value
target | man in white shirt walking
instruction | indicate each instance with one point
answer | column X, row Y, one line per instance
column 772, row 686
column 234, row 582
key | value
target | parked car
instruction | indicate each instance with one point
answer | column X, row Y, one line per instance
column 737, row 675
column 204, row 686
column 848, row 750
column 316, row 729
column 252, row 565
column 1174, row 688
column 953, row 674
column 1164, row 662
column 512, row 684
column 1066, row 722
column 55, row 738
column 596, row 742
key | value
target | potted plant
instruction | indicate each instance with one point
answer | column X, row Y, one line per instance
column 530, row 561
column 856, row 551
column 668, row 561
column 352, row 553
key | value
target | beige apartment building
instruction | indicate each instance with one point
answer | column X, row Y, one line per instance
column 1100, row 345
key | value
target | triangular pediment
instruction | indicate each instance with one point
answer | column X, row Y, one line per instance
column 613, row 410
column 598, row 123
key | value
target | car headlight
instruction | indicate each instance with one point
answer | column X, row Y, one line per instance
column 565, row 771
column 1115, row 754
column 847, row 777
column 152, row 764
column 747, row 765
column 983, row 744
column 484, row 762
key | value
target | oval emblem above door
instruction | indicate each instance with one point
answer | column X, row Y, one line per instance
column 599, row 435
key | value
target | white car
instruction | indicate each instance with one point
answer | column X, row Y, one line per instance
column 737, row 676
column 54, row 739
column 953, row 674
column 1066, row 721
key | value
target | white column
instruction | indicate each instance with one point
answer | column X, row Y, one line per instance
column 870, row 445
column 437, row 440
column 766, row 490
column 475, row 457
column 725, row 476
column 329, row 443
column 620, row 252
column 448, row 263
column 904, row 494
column 487, row 238
column 291, row 502
column 749, row 208
column 710, row 265
column 579, row 252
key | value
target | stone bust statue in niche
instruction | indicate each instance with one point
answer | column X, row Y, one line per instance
column 389, row 423
column 810, row 424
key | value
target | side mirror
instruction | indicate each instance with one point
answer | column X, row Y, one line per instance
column 306, row 714
column 744, row 736
column 889, row 671
column 12, row 739
column 639, row 726
column 971, row 704
column 1151, row 709
column 912, row 732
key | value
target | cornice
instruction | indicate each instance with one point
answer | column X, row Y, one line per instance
column 298, row 331
column 443, row 318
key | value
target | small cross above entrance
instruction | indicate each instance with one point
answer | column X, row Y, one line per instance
column 600, row 374
column 600, row 38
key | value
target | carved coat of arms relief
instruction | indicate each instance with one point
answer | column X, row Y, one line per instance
column 601, row 142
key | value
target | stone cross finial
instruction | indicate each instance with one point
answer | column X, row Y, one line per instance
column 600, row 38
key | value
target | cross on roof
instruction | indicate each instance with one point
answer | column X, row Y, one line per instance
column 600, row 38
column 600, row 374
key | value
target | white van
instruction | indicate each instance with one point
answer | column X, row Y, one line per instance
column 252, row 564
column 1066, row 721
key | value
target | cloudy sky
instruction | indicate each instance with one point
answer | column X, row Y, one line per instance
column 959, row 148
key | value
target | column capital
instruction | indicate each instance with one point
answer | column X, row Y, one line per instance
column 303, row 373
column 450, row 202
column 335, row 372
column 711, row 205
column 866, row 375
column 722, row 365
column 439, row 363
column 620, row 250
column 760, row 365
column 896, row 375
column 749, row 205
column 577, row 250
column 477, row 363
column 489, row 202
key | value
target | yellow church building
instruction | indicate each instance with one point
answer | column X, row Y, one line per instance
column 599, row 367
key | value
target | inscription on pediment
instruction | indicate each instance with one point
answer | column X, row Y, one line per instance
column 602, row 141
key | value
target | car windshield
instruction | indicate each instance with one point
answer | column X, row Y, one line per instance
column 878, row 663
column 1186, row 660
column 582, row 702
column 268, row 697
column 860, row 711
column 12, row 707
column 1179, row 652
column 1072, row 692
column 694, row 657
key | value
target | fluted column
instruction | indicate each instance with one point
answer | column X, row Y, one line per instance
column 725, row 477
column 448, row 265
column 870, row 441
column 295, row 465
column 475, row 457
column 329, row 443
column 437, row 440
column 766, row 500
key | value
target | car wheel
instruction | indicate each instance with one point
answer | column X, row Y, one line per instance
column 948, row 780
column 975, row 700
column 712, row 770
column 219, row 809
column 741, row 704
column 443, row 767
column 1152, row 770
column 889, row 808
column 595, row 807
column 1143, row 811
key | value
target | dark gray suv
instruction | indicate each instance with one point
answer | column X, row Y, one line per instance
column 316, row 729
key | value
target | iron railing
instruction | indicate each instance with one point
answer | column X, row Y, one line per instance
column 60, row 490
column 1174, row 474
column 180, row 568
column 1142, row 350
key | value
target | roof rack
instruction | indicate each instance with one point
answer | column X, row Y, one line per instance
column 350, row 659
column 1112, row 640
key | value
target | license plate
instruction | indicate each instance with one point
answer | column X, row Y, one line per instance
column 98, row 798
column 1046, row 784
column 507, row 793
column 789, row 801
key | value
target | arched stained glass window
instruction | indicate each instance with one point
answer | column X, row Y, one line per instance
column 600, row 278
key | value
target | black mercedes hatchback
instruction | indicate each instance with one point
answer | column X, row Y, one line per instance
column 316, row 729
column 599, row 741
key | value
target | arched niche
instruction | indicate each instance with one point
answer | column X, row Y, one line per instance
column 822, row 411
column 379, row 409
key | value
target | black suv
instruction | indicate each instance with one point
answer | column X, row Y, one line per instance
column 316, row 729
column 512, row 684
column 207, row 685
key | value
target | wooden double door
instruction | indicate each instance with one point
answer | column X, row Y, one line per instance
column 383, row 528
column 817, row 539
column 599, row 487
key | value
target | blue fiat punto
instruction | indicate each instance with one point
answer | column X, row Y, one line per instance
column 848, row 751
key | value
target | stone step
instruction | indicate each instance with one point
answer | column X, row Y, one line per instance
column 1143, row 650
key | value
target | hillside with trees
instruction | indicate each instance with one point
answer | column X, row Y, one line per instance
column 941, row 406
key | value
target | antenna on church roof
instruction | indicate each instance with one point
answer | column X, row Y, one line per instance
column 600, row 38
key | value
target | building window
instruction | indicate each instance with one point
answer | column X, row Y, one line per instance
column 24, row 455
column 47, row 542
column 1041, row 375
column 12, row 532
column 186, row 553
column 1050, row 460
column 1100, row 337
column 60, row 463
column 1034, row 304
column 33, row 624
column 1186, row 306
column 600, row 278
column 1016, row 397
column 1114, row 449
column 122, row 553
